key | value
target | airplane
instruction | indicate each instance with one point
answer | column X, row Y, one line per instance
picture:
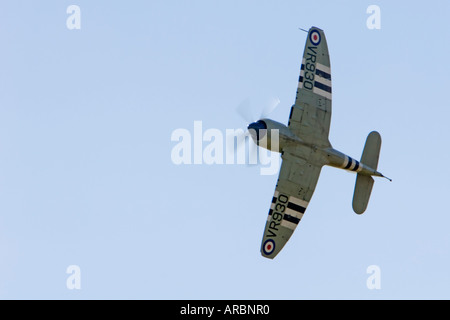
column 305, row 149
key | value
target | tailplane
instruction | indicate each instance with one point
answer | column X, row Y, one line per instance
column 364, row 183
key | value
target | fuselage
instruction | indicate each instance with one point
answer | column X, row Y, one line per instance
column 277, row 137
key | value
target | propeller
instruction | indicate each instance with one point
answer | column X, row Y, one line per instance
column 244, row 110
column 271, row 106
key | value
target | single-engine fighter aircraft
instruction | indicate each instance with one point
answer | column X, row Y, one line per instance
column 305, row 148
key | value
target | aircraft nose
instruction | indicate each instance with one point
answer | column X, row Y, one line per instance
column 255, row 127
column 258, row 125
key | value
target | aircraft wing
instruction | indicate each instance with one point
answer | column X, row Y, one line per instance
column 296, row 183
column 311, row 114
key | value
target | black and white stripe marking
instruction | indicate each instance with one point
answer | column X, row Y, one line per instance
column 352, row 164
column 293, row 211
column 322, row 79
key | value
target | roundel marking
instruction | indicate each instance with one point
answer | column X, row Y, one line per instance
column 314, row 37
column 268, row 247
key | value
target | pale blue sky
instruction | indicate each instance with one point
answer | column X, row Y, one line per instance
column 86, row 176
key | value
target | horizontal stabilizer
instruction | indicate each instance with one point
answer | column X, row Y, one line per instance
column 371, row 151
column 363, row 188
column 364, row 183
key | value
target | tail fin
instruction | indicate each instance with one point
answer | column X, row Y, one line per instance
column 364, row 183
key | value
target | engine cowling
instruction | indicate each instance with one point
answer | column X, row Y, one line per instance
column 271, row 135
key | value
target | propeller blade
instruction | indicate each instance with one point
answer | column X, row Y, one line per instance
column 273, row 104
column 245, row 111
